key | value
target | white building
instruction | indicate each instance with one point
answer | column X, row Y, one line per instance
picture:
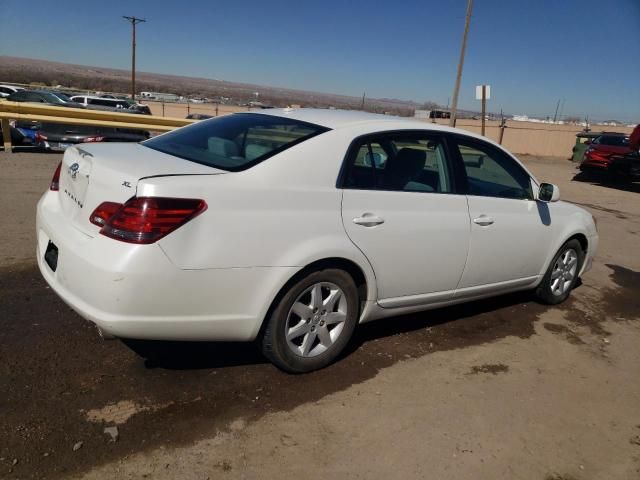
column 161, row 97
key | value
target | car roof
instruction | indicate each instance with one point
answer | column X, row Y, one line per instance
column 325, row 117
column 373, row 122
column 94, row 97
column 335, row 119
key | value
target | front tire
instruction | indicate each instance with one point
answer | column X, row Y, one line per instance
column 562, row 274
column 312, row 322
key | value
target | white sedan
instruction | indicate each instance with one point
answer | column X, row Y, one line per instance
column 292, row 226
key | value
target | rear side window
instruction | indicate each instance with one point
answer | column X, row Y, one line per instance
column 405, row 162
column 491, row 172
column 234, row 142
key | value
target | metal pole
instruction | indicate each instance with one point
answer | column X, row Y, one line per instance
column 456, row 89
column 134, row 21
column 484, row 106
column 6, row 135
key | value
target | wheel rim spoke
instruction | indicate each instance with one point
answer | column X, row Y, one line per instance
column 316, row 296
column 330, row 302
column 324, row 336
column 307, row 343
column 335, row 317
column 302, row 310
column 298, row 330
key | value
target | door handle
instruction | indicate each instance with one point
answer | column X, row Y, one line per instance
column 368, row 220
column 483, row 220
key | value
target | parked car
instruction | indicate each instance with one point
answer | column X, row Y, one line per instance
column 17, row 137
column 6, row 90
column 598, row 157
column 42, row 96
column 58, row 137
column 111, row 104
column 199, row 116
column 281, row 226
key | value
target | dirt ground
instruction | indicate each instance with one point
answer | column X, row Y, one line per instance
column 502, row 388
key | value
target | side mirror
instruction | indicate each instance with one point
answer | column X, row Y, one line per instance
column 548, row 192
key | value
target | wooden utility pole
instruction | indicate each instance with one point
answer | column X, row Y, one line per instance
column 555, row 115
column 364, row 94
column 134, row 21
column 456, row 89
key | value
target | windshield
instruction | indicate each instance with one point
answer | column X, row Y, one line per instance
column 234, row 142
column 63, row 97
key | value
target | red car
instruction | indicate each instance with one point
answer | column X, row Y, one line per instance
column 597, row 158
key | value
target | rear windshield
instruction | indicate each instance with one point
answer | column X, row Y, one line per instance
column 613, row 140
column 234, row 142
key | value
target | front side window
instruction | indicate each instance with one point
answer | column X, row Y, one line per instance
column 408, row 162
column 491, row 172
column 234, row 142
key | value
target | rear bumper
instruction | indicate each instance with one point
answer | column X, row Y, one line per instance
column 135, row 291
column 594, row 165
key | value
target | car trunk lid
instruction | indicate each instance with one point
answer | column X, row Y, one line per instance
column 94, row 173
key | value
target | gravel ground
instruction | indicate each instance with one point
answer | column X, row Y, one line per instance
column 502, row 388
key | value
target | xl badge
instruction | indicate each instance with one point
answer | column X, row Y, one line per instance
column 73, row 170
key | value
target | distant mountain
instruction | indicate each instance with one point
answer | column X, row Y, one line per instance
column 82, row 77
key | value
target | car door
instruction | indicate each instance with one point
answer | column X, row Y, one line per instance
column 510, row 231
column 400, row 207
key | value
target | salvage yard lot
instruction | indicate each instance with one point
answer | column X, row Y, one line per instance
column 501, row 388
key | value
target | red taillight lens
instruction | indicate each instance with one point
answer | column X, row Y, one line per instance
column 93, row 139
column 593, row 154
column 40, row 137
column 104, row 212
column 148, row 219
column 55, row 181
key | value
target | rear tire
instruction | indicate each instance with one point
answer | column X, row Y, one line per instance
column 312, row 322
column 562, row 274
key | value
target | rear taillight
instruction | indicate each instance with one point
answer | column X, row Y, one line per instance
column 40, row 138
column 148, row 219
column 93, row 139
column 55, row 181
column 104, row 212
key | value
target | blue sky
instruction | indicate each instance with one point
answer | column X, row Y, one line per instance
column 531, row 52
